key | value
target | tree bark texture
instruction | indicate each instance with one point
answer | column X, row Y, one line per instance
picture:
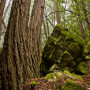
column 15, row 54
column 57, row 13
column 21, row 50
column 2, row 5
column 34, row 35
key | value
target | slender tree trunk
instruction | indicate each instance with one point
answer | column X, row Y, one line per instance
column 2, row 5
column 47, row 27
column 44, row 26
column 57, row 13
column 65, row 14
column 85, row 14
column 80, row 21
column 54, row 19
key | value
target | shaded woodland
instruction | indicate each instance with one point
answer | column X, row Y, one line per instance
column 44, row 45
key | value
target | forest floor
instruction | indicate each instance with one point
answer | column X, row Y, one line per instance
column 87, row 76
column 43, row 84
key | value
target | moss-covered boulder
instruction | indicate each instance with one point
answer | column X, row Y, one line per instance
column 66, row 61
column 70, row 85
column 66, row 81
column 53, row 76
column 82, row 68
column 64, row 49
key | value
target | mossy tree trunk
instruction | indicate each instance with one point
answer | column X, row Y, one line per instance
column 21, row 50
column 34, row 35
column 14, row 57
column 2, row 5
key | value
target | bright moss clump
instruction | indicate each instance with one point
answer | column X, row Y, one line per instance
column 33, row 83
column 70, row 85
column 52, row 77
column 82, row 68
column 64, row 49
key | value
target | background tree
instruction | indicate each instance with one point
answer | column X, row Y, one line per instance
column 57, row 11
column 2, row 5
column 34, row 36
column 79, row 19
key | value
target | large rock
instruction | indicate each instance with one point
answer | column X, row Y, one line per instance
column 64, row 49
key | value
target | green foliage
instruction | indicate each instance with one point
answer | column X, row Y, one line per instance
column 70, row 85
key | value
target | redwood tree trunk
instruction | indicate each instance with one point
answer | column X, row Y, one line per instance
column 2, row 5
column 34, row 35
column 15, row 54
column 21, row 50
